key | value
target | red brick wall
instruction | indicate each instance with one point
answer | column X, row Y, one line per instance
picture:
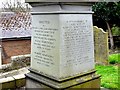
column 14, row 48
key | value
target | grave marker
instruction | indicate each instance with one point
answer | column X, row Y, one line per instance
column 101, row 45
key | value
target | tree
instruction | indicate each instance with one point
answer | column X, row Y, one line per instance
column 16, row 6
column 107, row 11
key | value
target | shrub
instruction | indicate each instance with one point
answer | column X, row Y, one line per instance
column 115, row 30
column 114, row 58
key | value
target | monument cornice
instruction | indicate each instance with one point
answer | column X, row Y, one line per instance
column 61, row 1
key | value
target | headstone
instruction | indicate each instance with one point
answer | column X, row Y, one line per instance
column 62, row 43
column 101, row 46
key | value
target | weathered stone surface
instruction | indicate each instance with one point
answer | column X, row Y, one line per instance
column 19, row 80
column 30, row 83
column 17, row 62
column 91, row 85
column 14, row 72
column 7, row 83
column 20, row 61
column 13, row 79
column 63, row 46
column 61, row 0
column 101, row 45
column 84, row 81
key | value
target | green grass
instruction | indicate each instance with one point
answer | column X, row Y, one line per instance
column 109, row 76
column 114, row 58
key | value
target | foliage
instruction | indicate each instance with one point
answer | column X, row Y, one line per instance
column 106, row 10
column 115, row 30
column 109, row 76
column 114, row 58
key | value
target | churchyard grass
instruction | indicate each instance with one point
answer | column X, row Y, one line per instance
column 110, row 73
column 114, row 58
column 109, row 76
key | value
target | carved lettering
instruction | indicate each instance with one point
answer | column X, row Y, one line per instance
column 44, row 41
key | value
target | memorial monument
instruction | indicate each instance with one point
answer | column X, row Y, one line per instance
column 62, row 46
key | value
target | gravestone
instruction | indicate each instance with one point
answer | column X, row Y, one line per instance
column 62, row 53
column 101, row 46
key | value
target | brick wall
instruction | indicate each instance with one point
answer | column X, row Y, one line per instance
column 14, row 47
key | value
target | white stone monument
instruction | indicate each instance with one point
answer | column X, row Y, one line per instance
column 62, row 42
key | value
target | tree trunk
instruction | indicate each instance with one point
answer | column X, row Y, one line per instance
column 111, row 36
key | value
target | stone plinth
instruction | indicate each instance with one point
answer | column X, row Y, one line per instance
column 87, row 80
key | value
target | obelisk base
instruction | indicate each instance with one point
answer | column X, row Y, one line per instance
column 89, row 81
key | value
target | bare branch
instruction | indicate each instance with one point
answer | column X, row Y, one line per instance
column 16, row 6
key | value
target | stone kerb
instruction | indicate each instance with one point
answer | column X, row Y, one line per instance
column 13, row 79
column 21, row 60
column 17, row 62
column 12, row 75
column 101, row 45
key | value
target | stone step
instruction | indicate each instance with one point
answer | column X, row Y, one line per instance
column 13, row 79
